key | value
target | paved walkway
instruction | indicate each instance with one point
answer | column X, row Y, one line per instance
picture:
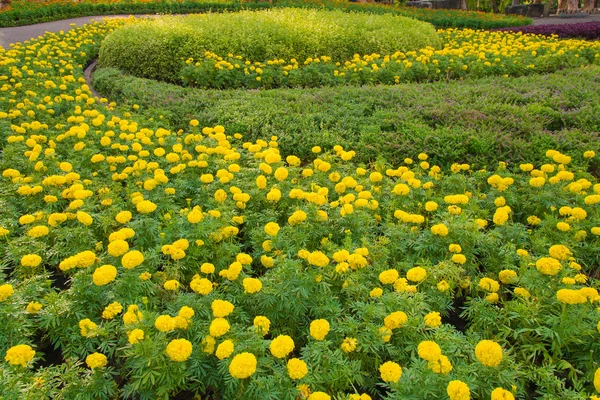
column 559, row 21
column 22, row 33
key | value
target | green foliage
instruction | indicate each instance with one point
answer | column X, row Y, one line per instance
column 26, row 12
column 477, row 121
column 155, row 48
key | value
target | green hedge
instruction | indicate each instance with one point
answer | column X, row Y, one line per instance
column 480, row 122
column 156, row 48
column 31, row 12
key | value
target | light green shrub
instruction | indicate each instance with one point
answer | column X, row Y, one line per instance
column 156, row 48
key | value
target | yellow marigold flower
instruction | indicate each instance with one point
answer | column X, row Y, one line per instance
column 431, row 206
column 589, row 154
column 135, row 336
column 111, row 310
column 319, row 329
column 439, row 230
column 416, row 274
column 132, row 259
column 31, row 260
column 489, row 353
column 597, row 380
column 522, row 253
column 388, row 277
column 33, row 307
column 390, row 371
column 440, row 366
column 38, row 231
column 548, row 266
column 458, row 390
column 104, row 275
column 207, row 268
column 225, row 349
column 560, row 252
column 395, row 320
column 117, row 248
column 221, row 308
column 492, row 298
column 459, row 258
column 507, row 276
column 296, row 368
column 281, row 346
column 563, row 226
column 179, row 350
column 123, row 217
column 297, row 217
column 262, row 324
column 20, row 354
column 219, row 327
column 272, row 229
column 502, row 394
column 243, row 365
column 349, row 344
column 433, row 319
column 164, row 323
column 145, row 206
column 145, row 276
column 171, row 285
column 318, row 259
column 570, row 296
column 195, row 216
column 319, row 396
column 489, row 285
column 252, row 285
column 442, row 286
column 96, row 360
column 429, row 351
column 455, row 248
column 500, row 216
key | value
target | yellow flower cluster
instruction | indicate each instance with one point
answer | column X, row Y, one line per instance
column 20, row 354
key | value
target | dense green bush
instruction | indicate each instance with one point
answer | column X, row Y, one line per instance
column 476, row 121
column 156, row 48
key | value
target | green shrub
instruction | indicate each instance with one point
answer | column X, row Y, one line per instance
column 156, row 48
column 480, row 122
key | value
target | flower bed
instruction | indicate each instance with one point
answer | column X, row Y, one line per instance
column 584, row 30
column 25, row 12
column 466, row 53
column 141, row 262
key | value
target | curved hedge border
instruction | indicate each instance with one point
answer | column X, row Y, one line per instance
column 486, row 121
column 63, row 10
column 155, row 48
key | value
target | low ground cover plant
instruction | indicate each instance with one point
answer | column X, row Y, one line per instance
column 481, row 121
column 155, row 48
column 585, row 30
column 145, row 262
column 25, row 12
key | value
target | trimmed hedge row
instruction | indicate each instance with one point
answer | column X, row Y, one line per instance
column 156, row 48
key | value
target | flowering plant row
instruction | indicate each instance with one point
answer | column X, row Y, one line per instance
column 466, row 53
column 584, row 30
column 142, row 262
